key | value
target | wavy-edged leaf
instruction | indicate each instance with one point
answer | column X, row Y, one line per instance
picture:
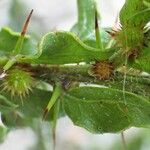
column 65, row 48
column 8, row 40
column 85, row 26
column 101, row 110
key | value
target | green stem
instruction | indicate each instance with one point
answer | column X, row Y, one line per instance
column 54, row 123
column 97, row 32
column 18, row 46
column 20, row 41
column 80, row 73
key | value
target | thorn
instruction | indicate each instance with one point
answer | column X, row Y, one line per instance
column 24, row 29
column 45, row 114
column 111, row 33
column 97, row 32
column 96, row 21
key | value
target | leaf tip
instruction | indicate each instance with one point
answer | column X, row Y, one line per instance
column 96, row 20
column 24, row 30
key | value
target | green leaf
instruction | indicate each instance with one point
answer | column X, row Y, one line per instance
column 33, row 100
column 133, row 17
column 147, row 3
column 3, row 132
column 134, row 13
column 6, row 105
column 8, row 40
column 33, row 107
column 101, row 110
column 65, row 48
column 143, row 60
column 85, row 26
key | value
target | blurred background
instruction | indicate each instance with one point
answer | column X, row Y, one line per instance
column 50, row 15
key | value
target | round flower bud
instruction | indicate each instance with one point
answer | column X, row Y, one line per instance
column 18, row 82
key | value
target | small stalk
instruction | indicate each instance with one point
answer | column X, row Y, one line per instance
column 97, row 32
column 20, row 41
column 18, row 45
column 123, row 141
column 53, row 99
column 54, row 123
